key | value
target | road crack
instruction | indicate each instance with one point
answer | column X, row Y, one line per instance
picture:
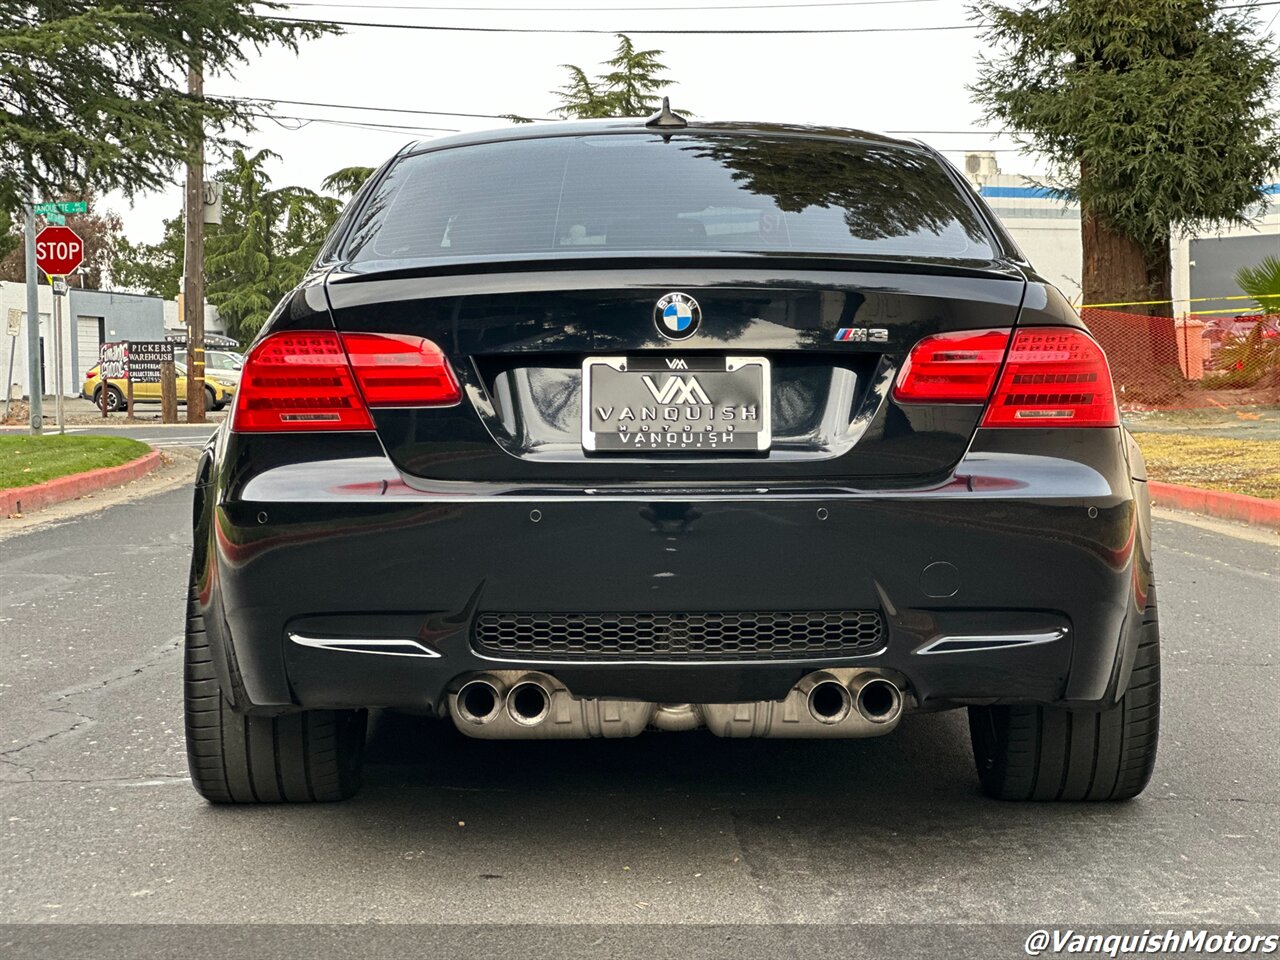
column 59, row 705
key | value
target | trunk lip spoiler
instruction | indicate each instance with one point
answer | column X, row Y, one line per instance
column 347, row 272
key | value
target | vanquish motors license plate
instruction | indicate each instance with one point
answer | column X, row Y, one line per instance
column 692, row 404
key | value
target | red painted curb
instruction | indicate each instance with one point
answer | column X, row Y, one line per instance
column 1216, row 503
column 59, row 489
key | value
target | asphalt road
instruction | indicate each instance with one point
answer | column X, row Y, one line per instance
column 83, row 418
column 157, row 434
column 99, row 823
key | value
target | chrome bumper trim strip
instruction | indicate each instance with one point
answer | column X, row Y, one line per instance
column 390, row 647
column 982, row 643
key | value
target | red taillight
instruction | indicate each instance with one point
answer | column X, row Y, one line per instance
column 958, row 367
column 319, row 381
column 1054, row 377
column 299, row 381
column 401, row 371
column 91, row 374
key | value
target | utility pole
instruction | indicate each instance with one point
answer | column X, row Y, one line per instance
column 33, row 320
column 193, row 267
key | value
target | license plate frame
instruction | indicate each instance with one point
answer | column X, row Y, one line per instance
column 728, row 383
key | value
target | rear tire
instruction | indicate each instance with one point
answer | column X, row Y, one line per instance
column 1046, row 753
column 312, row 755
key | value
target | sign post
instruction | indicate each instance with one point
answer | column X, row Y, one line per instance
column 60, row 251
column 12, row 329
column 35, row 389
column 59, row 293
column 168, row 393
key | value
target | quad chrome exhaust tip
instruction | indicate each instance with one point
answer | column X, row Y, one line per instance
column 529, row 703
column 829, row 700
column 878, row 699
column 479, row 701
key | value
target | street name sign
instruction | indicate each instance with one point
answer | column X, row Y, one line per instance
column 63, row 207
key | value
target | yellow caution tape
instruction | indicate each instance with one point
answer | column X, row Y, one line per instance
column 1205, row 313
column 1152, row 303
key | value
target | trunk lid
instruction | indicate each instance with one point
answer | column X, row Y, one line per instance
column 834, row 335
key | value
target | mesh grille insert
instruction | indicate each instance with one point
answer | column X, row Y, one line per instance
column 679, row 636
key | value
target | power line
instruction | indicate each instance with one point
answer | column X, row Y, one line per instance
column 412, row 129
column 356, row 106
column 933, row 133
column 785, row 31
column 668, row 9
column 364, row 124
column 679, row 9
column 507, row 116
column 611, row 32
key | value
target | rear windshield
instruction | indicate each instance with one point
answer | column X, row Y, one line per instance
column 637, row 192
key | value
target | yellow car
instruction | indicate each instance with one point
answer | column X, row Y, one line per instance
column 218, row 390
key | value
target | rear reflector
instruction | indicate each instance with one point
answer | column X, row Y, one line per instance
column 1054, row 377
column 401, row 371
column 298, row 381
column 957, row 367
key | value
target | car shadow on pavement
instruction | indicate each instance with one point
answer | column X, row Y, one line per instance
column 926, row 758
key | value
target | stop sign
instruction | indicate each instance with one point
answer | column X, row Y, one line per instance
column 59, row 250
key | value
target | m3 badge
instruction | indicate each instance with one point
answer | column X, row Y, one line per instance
column 862, row 335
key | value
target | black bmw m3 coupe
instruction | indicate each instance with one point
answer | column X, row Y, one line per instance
column 624, row 427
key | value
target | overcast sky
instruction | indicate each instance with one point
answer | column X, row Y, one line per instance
column 896, row 80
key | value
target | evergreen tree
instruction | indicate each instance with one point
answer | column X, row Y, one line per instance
column 347, row 181
column 1153, row 115
column 93, row 91
column 153, row 268
column 267, row 240
column 628, row 89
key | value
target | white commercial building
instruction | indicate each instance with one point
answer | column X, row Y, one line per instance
column 1048, row 230
column 89, row 319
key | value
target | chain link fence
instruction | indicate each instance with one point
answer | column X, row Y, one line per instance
column 1168, row 363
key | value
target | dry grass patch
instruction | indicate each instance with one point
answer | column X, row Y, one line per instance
column 1250, row 467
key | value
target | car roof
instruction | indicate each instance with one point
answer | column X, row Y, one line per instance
column 569, row 128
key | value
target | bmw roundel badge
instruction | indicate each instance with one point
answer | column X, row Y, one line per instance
column 677, row 316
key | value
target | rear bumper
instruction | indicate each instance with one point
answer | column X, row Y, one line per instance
column 1015, row 545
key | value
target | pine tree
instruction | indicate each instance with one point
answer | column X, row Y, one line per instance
column 94, row 95
column 153, row 268
column 268, row 238
column 1153, row 115
column 628, row 89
